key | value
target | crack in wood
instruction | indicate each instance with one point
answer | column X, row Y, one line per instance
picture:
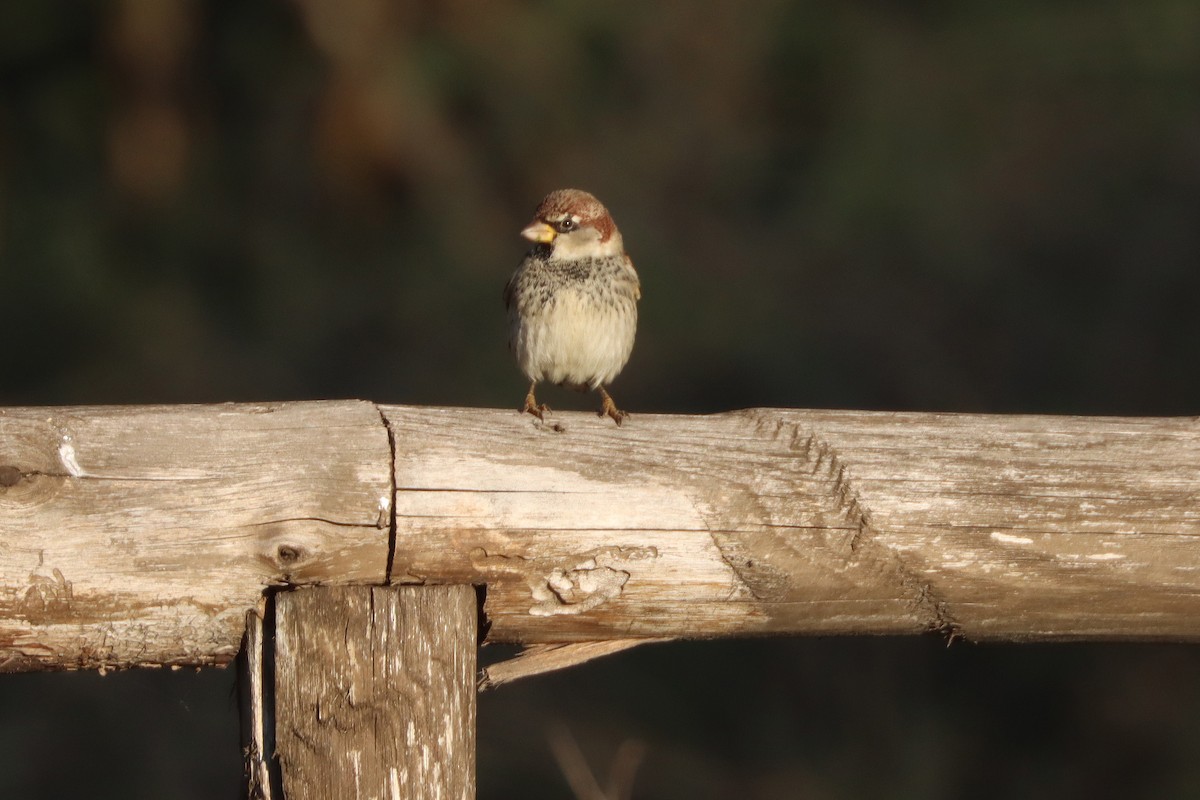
column 392, row 522
column 323, row 520
column 11, row 476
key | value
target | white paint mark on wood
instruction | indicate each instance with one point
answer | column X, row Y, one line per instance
column 70, row 461
column 66, row 455
column 1008, row 538
column 1106, row 556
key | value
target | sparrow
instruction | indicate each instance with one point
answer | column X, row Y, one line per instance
column 572, row 303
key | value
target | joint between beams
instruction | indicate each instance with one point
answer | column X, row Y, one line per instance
column 391, row 504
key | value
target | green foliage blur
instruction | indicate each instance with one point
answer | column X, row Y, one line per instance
column 930, row 205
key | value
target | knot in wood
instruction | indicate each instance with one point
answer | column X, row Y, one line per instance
column 9, row 476
column 28, row 488
column 288, row 555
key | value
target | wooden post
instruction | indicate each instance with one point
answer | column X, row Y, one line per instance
column 375, row 692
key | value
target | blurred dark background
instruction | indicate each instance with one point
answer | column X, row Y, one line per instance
column 930, row 206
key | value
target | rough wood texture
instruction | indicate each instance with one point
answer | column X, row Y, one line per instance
column 142, row 535
column 768, row 521
column 375, row 692
column 255, row 688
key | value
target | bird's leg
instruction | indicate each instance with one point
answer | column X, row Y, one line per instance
column 608, row 408
column 531, row 404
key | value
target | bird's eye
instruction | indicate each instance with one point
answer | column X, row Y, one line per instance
column 567, row 225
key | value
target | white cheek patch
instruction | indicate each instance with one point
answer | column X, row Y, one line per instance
column 585, row 243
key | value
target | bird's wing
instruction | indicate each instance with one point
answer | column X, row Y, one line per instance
column 508, row 291
column 637, row 283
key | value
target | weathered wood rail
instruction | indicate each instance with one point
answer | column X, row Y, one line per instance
column 141, row 535
column 149, row 535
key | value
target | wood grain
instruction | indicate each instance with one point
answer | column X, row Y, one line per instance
column 375, row 692
column 256, row 685
column 142, row 535
column 776, row 521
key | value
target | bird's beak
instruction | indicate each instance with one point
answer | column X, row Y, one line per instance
column 538, row 231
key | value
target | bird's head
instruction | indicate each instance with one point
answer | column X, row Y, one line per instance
column 574, row 224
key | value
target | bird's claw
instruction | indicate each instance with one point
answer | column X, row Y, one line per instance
column 532, row 406
column 609, row 409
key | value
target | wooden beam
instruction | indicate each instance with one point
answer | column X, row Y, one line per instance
column 831, row 522
column 375, row 692
column 142, row 535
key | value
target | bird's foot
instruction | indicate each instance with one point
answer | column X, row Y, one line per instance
column 609, row 409
column 532, row 406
